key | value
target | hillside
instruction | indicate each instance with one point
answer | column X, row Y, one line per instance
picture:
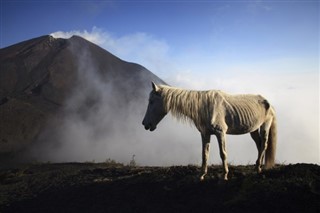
column 43, row 78
column 111, row 187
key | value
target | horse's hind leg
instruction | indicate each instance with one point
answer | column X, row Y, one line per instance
column 223, row 152
column 205, row 154
column 264, row 133
column 256, row 137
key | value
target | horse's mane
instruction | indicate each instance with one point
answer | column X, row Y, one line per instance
column 188, row 105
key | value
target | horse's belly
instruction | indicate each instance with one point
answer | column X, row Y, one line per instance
column 240, row 131
column 243, row 120
column 242, row 128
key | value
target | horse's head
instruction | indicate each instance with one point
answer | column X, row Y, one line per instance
column 155, row 111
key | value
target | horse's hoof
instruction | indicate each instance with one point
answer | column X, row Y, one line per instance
column 202, row 177
column 258, row 168
column 226, row 178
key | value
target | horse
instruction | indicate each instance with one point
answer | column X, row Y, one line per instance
column 214, row 112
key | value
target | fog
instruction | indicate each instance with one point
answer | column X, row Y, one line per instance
column 295, row 97
column 97, row 124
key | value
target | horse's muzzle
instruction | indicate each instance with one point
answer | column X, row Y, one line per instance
column 146, row 127
column 149, row 126
column 152, row 128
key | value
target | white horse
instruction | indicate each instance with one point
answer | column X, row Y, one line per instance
column 217, row 113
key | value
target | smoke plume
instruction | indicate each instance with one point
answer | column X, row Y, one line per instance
column 98, row 122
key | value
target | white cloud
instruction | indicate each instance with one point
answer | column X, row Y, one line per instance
column 296, row 99
column 137, row 47
column 96, row 35
column 294, row 93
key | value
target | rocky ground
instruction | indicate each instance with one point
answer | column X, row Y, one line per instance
column 111, row 187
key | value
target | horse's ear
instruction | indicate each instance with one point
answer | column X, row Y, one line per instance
column 154, row 87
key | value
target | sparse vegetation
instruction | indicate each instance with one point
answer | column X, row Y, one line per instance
column 112, row 187
column 133, row 162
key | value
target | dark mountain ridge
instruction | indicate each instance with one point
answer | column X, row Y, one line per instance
column 38, row 76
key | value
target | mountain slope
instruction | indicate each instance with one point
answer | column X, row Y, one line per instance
column 39, row 76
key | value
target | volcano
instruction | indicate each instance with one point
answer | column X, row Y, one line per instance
column 39, row 76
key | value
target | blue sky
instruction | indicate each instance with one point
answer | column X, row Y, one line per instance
column 244, row 30
column 267, row 47
column 215, row 35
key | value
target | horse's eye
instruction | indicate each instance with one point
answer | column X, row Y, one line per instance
column 151, row 102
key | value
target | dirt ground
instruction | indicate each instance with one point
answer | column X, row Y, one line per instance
column 110, row 187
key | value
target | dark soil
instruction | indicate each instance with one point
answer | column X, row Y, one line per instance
column 89, row 187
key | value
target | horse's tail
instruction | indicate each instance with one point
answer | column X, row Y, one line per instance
column 272, row 145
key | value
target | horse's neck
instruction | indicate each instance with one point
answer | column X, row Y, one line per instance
column 187, row 105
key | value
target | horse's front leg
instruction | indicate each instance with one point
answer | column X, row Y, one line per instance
column 221, row 136
column 205, row 154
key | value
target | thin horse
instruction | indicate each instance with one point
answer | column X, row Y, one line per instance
column 214, row 112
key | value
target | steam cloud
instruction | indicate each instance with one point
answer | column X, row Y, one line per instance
column 99, row 123
column 295, row 97
column 110, row 129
